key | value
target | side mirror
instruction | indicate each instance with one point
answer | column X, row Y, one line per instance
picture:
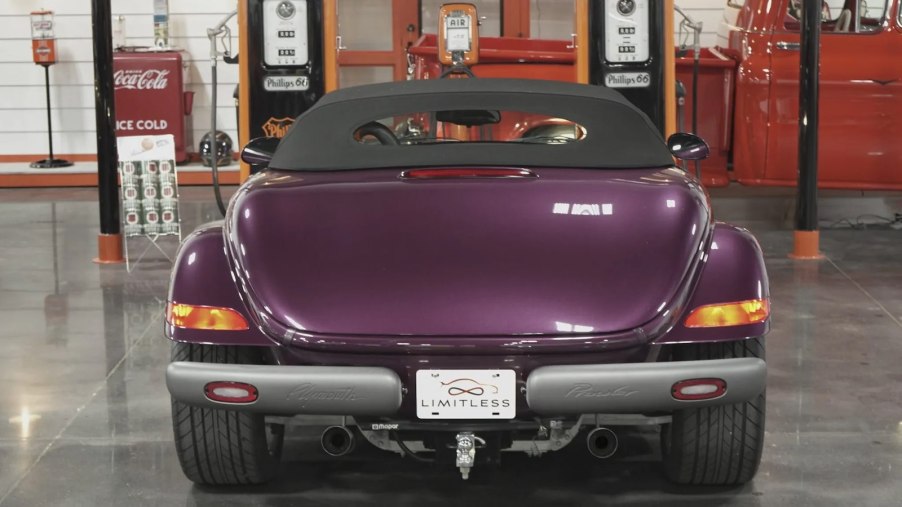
column 688, row 146
column 259, row 151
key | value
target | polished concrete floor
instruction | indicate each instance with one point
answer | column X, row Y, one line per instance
column 84, row 413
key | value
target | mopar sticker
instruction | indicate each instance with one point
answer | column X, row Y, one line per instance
column 384, row 427
column 286, row 83
column 627, row 80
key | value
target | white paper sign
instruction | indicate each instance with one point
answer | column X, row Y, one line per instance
column 141, row 148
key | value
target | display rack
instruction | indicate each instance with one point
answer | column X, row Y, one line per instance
column 148, row 177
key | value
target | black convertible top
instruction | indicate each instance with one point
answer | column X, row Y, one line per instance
column 618, row 135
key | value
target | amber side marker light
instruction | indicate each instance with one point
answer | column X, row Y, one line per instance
column 729, row 314
column 212, row 318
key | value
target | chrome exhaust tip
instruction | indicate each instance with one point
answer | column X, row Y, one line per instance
column 602, row 443
column 337, row 441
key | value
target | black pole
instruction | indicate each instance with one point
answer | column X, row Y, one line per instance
column 116, row 335
column 50, row 162
column 809, row 60
column 695, row 65
column 105, row 115
column 49, row 118
column 56, row 262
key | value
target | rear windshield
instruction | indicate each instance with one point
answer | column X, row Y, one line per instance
column 472, row 122
column 470, row 126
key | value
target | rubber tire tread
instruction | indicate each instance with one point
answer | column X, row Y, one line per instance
column 721, row 445
column 221, row 447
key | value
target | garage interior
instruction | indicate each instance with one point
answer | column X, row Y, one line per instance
column 86, row 405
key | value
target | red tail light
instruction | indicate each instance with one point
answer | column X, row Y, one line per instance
column 464, row 172
column 212, row 318
column 699, row 389
column 729, row 314
column 230, row 392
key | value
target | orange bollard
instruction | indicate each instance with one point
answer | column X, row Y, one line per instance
column 109, row 249
column 806, row 246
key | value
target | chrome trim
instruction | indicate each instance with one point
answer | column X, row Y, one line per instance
column 788, row 46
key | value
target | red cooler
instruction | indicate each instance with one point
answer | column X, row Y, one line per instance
column 151, row 97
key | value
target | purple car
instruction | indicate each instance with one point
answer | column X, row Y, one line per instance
column 465, row 267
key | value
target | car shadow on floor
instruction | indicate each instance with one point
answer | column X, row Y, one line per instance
column 369, row 476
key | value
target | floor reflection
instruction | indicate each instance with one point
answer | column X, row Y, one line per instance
column 88, row 421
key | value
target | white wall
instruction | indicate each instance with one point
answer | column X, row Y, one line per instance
column 709, row 12
column 553, row 19
column 23, row 121
column 22, row 114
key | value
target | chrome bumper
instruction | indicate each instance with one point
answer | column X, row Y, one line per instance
column 637, row 388
column 292, row 390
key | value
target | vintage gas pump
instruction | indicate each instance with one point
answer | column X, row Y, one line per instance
column 458, row 37
column 631, row 45
column 281, row 65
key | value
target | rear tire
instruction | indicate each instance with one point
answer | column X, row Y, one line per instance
column 223, row 447
column 715, row 445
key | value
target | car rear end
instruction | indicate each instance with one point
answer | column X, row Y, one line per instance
column 453, row 292
column 516, row 309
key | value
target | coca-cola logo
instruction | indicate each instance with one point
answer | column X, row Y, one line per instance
column 150, row 79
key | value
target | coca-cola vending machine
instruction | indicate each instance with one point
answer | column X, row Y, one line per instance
column 151, row 97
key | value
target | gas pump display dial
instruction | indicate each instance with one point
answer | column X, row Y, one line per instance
column 626, row 7
column 285, row 33
column 627, row 31
column 285, row 10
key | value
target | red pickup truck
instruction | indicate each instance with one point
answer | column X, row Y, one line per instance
column 749, row 95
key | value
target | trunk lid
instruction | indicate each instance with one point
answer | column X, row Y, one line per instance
column 369, row 253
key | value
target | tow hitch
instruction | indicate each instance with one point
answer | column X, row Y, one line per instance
column 466, row 452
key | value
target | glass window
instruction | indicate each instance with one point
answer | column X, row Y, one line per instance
column 551, row 19
column 366, row 26
column 364, row 74
column 470, row 125
column 489, row 12
column 842, row 16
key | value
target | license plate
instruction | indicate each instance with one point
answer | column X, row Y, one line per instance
column 466, row 394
